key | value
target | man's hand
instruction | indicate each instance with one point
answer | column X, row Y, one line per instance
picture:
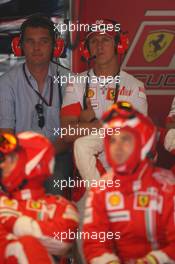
column 88, row 114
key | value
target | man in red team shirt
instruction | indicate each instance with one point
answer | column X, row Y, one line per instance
column 31, row 222
column 142, row 208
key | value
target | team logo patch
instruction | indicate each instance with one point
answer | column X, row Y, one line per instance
column 34, row 205
column 156, row 44
column 91, row 93
column 143, row 200
column 125, row 92
column 114, row 200
column 110, row 94
column 9, row 203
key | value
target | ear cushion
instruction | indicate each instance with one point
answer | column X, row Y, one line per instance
column 59, row 47
column 16, row 46
column 123, row 44
column 84, row 52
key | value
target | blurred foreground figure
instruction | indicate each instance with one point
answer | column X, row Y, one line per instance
column 133, row 217
column 32, row 223
column 169, row 142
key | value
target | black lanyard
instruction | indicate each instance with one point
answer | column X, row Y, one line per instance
column 39, row 95
column 59, row 90
column 86, row 91
column 117, row 85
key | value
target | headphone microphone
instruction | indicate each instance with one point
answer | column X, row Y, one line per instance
column 92, row 58
column 88, row 59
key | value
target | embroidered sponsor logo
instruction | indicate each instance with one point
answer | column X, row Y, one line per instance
column 125, row 92
column 91, row 93
column 114, row 200
column 110, row 94
column 34, row 205
column 10, row 203
column 145, row 200
column 95, row 105
column 119, row 216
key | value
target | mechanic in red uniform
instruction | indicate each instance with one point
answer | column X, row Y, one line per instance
column 34, row 227
column 137, row 217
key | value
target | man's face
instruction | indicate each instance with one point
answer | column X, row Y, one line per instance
column 121, row 146
column 37, row 45
column 8, row 165
column 103, row 46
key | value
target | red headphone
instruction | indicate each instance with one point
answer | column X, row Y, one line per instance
column 17, row 50
column 121, row 46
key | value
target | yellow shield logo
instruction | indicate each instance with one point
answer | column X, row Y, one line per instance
column 90, row 93
column 114, row 200
column 110, row 94
column 9, row 203
column 155, row 45
column 143, row 200
column 34, row 205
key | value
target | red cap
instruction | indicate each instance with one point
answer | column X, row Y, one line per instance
column 103, row 26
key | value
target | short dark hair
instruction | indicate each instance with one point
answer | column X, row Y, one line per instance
column 36, row 21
